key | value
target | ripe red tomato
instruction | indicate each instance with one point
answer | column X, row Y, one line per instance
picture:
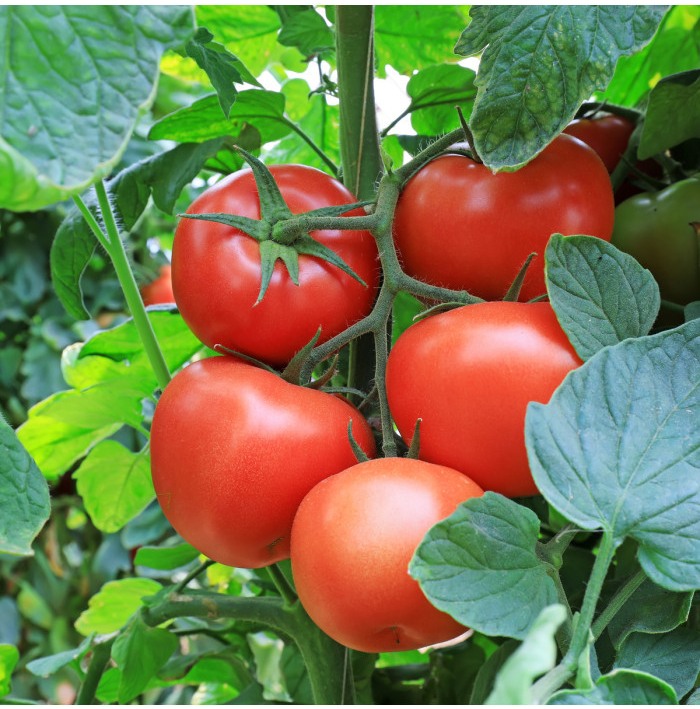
column 469, row 374
column 234, row 449
column 460, row 226
column 352, row 540
column 216, row 271
column 607, row 135
column 160, row 290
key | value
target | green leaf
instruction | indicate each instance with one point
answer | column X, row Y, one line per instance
column 651, row 609
column 219, row 64
column 306, row 30
column 535, row 656
column 480, row 566
column 250, row 31
column 694, row 698
column 114, row 604
column 139, row 653
column 9, row 656
column 620, row 687
column 601, row 295
column 70, row 82
column 113, row 500
column 410, row 37
column 673, row 114
column 674, row 48
column 165, row 558
column 161, row 177
column 673, row 657
column 618, row 448
column 49, row 665
column 123, row 345
column 540, row 63
column 56, row 445
column 486, row 677
column 203, row 120
column 24, row 496
column 435, row 92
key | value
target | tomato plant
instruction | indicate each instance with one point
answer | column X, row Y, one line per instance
column 468, row 375
column 460, row 226
column 136, row 458
column 657, row 228
column 234, row 449
column 352, row 539
column 160, row 290
column 217, row 271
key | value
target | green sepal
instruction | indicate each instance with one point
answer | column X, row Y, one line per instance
column 336, row 210
column 517, row 284
column 310, row 247
column 252, row 227
column 437, row 309
column 326, row 376
column 361, row 456
column 414, row 448
column 292, row 372
column 273, row 208
column 270, row 251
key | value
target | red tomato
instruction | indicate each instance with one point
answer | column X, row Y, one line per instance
column 607, row 135
column 460, row 226
column 469, row 374
column 216, row 271
column 160, row 290
column 352, row 540
column 234, row 449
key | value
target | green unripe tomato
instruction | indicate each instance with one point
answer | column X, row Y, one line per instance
column 657, row 229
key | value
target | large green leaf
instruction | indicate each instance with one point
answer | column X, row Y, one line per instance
column 75, row 78
column 113, row 500
column 673, row 114
column 601, row 295
column 540, row 62
column 618, row 448
column 480, row 566
column 673, row 657
column 24, row 496
column 410, row 37
column 674, row 48
column 9, row 656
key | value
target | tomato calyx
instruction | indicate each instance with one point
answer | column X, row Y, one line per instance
column 281, row 234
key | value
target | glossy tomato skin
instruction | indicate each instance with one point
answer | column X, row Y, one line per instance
column 469, row 374
column 656, row 228
column 216, row 271
column 608, row 136
column 460, row 226
column 160, row 290
column 352, row 540
column 234, row 449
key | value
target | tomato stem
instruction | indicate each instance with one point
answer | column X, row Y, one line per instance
column 112, row 243
column 616, row 602
column 98, row 664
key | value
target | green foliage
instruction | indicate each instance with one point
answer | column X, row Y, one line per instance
column 42, row 164
column 600, row 294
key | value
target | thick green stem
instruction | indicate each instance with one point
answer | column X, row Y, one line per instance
column 324, row 658
column 112, row 243
column 100, row 657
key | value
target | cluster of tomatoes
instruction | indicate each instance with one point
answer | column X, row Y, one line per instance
column 251, row 469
